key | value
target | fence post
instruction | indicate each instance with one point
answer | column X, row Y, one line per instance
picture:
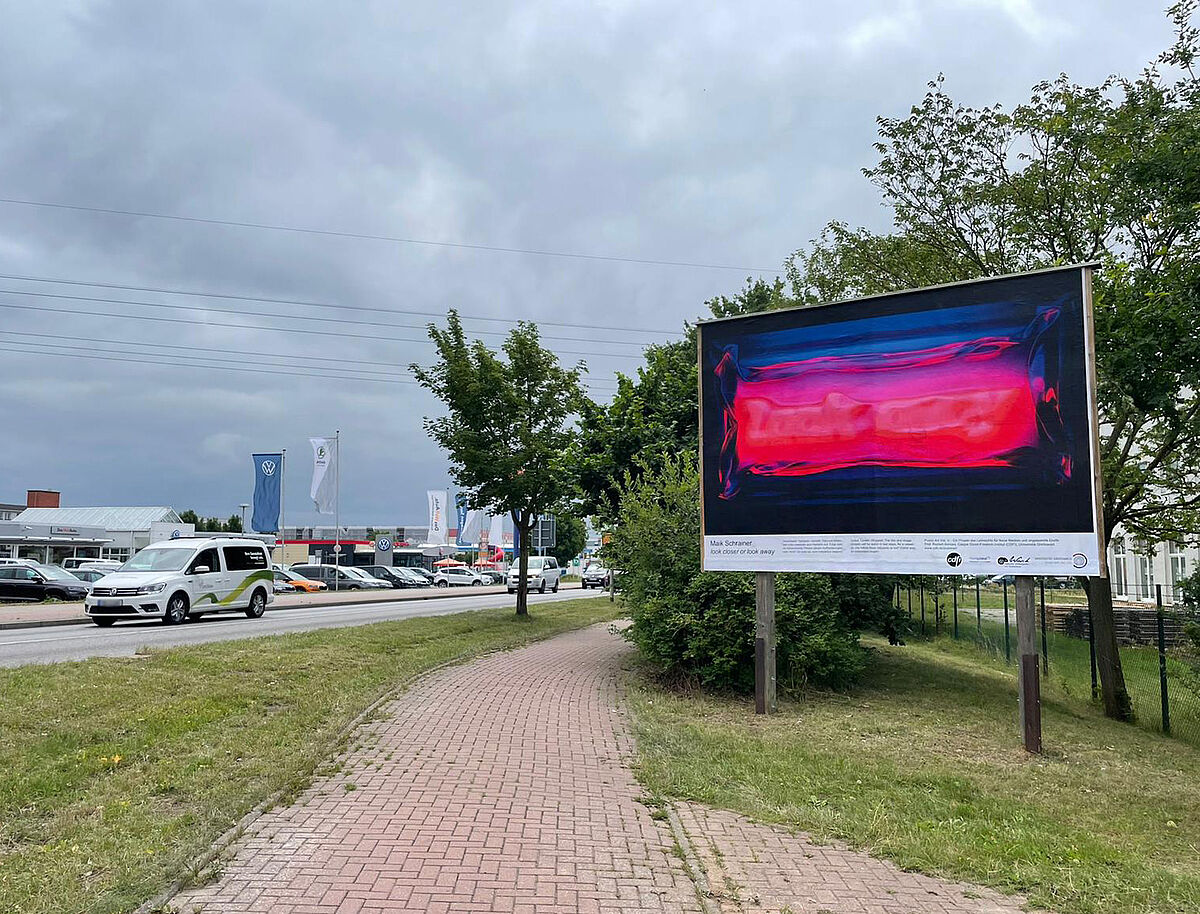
column 937, row 612
column 922, row 607
column 956, row 609
column 1092, row 651
column 908, row 589
column 1045, row 652
column 1007, row 648
column 764, row 642
column 1162, row 663
column 1028, row 687
column 978, row 611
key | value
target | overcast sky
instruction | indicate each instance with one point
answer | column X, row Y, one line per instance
column 723, row 134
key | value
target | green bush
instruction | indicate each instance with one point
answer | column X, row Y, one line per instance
column 700, row 624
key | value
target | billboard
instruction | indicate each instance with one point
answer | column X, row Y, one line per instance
column 943, row 430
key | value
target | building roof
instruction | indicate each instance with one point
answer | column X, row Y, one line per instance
column 108, row 518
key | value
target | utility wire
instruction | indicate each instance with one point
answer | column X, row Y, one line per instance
column 393, row 239
column 320, row 333
column 88, row 355
column 297, row 317
column 340, row 364
column 320, row 304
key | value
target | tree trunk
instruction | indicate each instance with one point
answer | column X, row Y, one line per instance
column 524, row 529
column 1117, row 703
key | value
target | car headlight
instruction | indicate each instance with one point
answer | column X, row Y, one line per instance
column 151, row 588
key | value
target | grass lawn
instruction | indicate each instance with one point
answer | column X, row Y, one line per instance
column 118, row 773
column 922, row 765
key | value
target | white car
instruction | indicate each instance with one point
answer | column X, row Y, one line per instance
column 457, row 576
column 186, row 577
column 544, row 574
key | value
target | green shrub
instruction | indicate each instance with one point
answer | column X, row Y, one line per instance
column 701, row 624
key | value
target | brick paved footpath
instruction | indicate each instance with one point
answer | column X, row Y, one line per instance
column 503, row 785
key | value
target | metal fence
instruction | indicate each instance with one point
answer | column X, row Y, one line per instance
column 1158, row 638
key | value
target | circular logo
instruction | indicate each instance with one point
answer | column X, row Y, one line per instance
column 1002, row 561
column 268, row 467
column 1079, row 560
column 175, row 534
column 321, row 452
column 383, row 544
column 954, row 560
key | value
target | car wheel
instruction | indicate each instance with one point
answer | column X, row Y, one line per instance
column 542, row 586
column 258, row 605
column 441, row 583
column 554, row 589
column 103, row 622
column 477, row 583
column 177, row 610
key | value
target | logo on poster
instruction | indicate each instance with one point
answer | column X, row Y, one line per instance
column 1012, row 560
column 954, row 560
column 1079, row 560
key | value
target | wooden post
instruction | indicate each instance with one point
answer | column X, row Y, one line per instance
column 1028, row 680
column 764, row 642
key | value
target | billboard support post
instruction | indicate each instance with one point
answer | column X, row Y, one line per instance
column 764, row 643
column 1028, row 675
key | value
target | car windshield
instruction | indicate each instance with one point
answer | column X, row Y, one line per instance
column 358, row 573
column 56, row 574
column 595, row 566
column 160, row 558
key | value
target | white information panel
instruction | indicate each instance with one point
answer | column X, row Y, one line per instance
column 918, row 553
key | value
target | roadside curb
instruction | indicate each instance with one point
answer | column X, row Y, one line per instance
column 446, row 594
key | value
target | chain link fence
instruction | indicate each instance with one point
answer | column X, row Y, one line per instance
column 1158, row 639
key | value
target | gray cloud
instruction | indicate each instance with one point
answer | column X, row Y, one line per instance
column 715, row 133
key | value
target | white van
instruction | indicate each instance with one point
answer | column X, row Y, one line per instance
column 186, row 576
column 543, row 574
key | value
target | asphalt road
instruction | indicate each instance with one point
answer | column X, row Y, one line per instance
column 78, row 642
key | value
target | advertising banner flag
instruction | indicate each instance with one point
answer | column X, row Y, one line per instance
column 437, row 516
column 496, row 530
column 460, row 509
column 268, row 477
column 949, row 430
column 324, row 486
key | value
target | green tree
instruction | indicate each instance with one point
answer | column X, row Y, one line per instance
column 234, row 524
column 189, row 517
column 653, row 416
column 1105, row 173
column 506, row 429
column 570, row 534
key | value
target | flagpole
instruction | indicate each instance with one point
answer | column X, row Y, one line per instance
column 337, row 507
column 282, row 506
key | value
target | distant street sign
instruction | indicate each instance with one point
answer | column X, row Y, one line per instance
column 545, row 532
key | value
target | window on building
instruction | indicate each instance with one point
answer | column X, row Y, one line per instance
column 1143, row 570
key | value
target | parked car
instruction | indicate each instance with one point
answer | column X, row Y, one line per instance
column 418, row 576
column 189, row 576
column 392, row 576
column 76, row 561
column 90, row 575
column 544, row 574
column 421, row 572
column 282, row 584
column 456, row 576
column 594, row 575
column 29, row 562
column 491, row 576
column 39, row 582
column 302, row 584
column 338, row 577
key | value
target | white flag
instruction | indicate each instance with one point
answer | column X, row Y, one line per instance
column 472, row 527
column 437, row 517
column 325, row 458
column 496, row 533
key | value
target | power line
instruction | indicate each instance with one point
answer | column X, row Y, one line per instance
column 393, row 239
column 340, row 364
column 320, row 304
column 208, row 367
column 320, row 333
column 298, row 317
